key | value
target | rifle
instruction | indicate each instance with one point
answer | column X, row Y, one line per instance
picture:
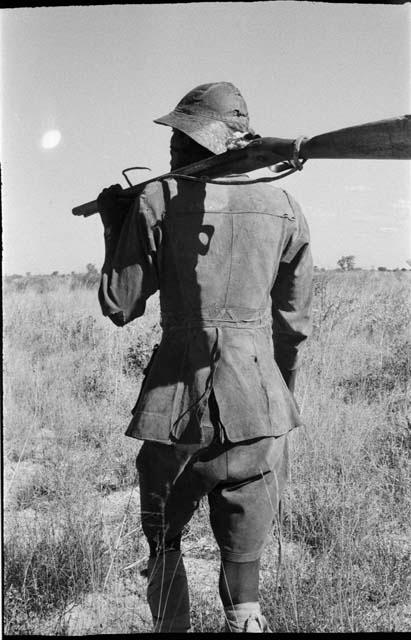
column 384, row 139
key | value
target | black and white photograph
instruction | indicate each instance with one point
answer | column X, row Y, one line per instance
column 206, row 288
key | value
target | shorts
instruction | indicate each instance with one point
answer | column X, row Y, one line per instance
column 243, row 481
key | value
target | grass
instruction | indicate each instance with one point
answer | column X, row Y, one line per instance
column 73, row 545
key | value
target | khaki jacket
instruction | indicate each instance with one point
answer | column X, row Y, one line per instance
column 234, row 270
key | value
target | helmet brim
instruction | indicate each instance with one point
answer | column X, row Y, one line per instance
column 208, row 132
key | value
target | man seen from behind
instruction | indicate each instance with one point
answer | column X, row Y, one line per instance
column 233, row 268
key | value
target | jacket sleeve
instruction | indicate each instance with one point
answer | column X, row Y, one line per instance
column 130, row 272
column 292, row 295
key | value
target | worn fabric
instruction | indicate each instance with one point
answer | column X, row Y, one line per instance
column 234, row 270
column 211, row 114
column 243, row 482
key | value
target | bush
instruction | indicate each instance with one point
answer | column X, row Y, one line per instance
column 48, row 567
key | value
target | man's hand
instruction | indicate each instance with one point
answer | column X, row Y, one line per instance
column 113, row 206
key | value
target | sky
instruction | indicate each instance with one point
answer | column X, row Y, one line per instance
column 100, row 74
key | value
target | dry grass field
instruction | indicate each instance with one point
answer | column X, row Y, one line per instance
column 73, row 546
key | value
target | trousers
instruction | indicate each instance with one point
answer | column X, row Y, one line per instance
column 242, row 481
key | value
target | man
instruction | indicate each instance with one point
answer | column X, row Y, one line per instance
column 233, row 266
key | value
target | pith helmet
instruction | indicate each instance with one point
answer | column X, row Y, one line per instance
column 211, row 114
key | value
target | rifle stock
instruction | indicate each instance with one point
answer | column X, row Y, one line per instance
column 384, row 139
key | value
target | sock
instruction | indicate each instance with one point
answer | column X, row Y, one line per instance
column 167, row 593
column 238, row 582
column 238, row 614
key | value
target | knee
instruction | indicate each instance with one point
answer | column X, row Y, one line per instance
column 159, row 545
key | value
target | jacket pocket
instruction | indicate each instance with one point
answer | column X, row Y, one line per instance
column 146, row 372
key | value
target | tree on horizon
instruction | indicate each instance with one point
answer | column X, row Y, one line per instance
column 346, row 263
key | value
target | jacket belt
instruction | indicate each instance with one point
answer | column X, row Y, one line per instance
column 173, row 321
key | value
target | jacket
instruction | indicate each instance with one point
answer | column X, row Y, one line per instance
column 233, row 267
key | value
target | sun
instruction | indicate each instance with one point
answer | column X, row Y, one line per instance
column 51, row 139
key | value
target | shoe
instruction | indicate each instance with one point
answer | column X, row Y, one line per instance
column 253, row 624
column 256, row 624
